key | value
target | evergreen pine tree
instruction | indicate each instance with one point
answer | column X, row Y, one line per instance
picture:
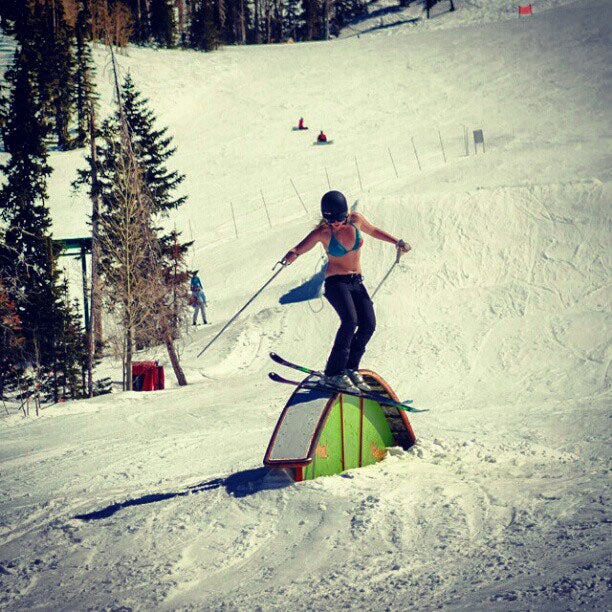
column 28, row 256
column 84, row 72
column 27, row 259
column 45, row 35
column 11, row 341
column 5, row 110
column 163, row 27
column 71, row 350
column 293, row 22
column 347, row 10
column 48, row 36
column 141, row 29
column 9, row 11
column 237, row 15
column 62, row 68
column 203, row 33
column 152, row 150
column 176, row 276
column 136, row 191
column 312, row 20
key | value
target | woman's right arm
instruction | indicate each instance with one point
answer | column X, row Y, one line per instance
column 304, row 246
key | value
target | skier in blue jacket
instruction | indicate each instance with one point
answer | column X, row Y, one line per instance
column 198, row 299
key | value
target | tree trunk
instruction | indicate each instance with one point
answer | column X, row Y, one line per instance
column 176, row 366
column 128, row 360
column 242, row 24
column 61, row 127
column 268, row 15
column 278, row 21
column 326, row 19
column 181, row 20
column 94, row 344
column 257, row 21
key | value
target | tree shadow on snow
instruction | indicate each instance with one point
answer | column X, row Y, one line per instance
column 378, row 13
column 385, row 10
column 383, row 26
column 240, row 484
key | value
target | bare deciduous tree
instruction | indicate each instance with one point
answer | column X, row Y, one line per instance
column 132, row 261
column 120, row 24
column 110, row 23
column 128, row 243
column 99, row 18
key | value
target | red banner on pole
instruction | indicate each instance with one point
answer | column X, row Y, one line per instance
column 525, row 10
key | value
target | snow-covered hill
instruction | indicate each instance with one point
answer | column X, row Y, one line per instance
column 498, row 321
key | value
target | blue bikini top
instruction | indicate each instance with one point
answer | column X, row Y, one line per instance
column 337, row 249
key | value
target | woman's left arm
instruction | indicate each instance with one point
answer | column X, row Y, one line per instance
column 371, row 230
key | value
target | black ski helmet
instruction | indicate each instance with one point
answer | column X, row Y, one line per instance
column 334, row 206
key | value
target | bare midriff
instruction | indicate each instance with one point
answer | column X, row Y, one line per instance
column 347, row 264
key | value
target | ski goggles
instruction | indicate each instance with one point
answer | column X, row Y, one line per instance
column 336, row 218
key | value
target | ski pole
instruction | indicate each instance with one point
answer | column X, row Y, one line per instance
column 243, row 308
column 397, row 258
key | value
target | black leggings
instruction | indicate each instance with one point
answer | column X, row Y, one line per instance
column 350, row 299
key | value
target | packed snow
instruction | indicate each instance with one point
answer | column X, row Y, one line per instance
column 498, row 321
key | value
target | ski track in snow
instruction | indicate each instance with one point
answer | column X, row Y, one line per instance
column 498, row 321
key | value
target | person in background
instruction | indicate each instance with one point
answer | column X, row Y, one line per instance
column 198, row 299
column 321, row 137
column 301, row 125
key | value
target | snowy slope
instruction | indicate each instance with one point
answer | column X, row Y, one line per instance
column 498, row 321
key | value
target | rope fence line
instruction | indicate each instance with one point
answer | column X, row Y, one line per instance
column 278, row 201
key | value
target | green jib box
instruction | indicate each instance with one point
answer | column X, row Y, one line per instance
column 321, row 433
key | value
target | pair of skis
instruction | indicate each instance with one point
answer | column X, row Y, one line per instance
column 316, row 385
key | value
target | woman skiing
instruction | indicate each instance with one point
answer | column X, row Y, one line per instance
column 340, row 233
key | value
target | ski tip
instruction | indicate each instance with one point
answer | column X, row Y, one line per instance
column 413, row 409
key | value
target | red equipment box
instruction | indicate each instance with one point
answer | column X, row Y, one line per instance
column 147, row 376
